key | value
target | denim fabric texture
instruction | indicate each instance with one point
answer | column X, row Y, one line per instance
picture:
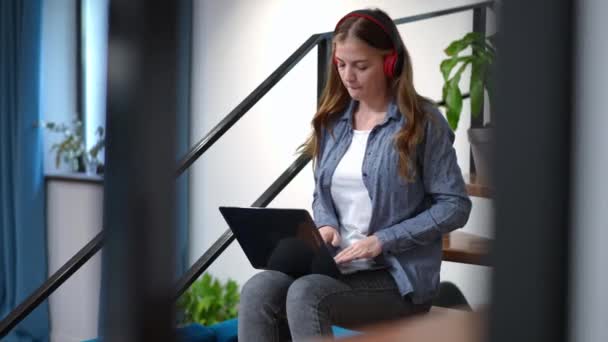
column 409, row 218
column 277, row 307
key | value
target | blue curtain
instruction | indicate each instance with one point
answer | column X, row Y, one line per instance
column 23, row 264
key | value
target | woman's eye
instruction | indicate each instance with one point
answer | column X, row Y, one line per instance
column 341, row 66
column 362, row 67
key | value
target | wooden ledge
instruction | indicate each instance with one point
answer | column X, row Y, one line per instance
column 476, row 189
column 438, row 325
column 466, row 248
column 76, row 177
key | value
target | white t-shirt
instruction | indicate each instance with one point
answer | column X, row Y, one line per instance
column 350, row 196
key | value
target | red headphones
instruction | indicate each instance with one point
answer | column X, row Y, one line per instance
column 391, row 61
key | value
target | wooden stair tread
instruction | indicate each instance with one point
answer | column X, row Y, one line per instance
column 476, row 189
column 440, row 324
column 463, row 247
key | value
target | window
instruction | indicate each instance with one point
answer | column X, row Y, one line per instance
column 93, row 65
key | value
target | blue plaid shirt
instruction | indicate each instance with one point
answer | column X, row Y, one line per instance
column 408, row 218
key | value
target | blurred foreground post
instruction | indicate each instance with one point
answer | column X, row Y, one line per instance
column 139, row 198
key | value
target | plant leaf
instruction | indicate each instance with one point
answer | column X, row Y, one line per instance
column 458, row 45
column 454, row 104
column 476, row 87
column 446, row 67
column 453, row 97
column 448, row 64
column 209, row 301
column 489, row 84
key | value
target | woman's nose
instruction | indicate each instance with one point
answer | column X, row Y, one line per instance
column 349, row 74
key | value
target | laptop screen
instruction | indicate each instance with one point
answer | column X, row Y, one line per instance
column 285, row 240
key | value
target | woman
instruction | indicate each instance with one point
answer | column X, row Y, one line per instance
column 387, row 187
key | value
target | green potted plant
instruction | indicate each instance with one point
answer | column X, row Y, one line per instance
column 480, row 59
column 209, row 301
column 71, row 149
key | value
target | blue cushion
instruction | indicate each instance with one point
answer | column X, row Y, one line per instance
column 340, row 332
column 226, row 331
column 189, row 333
column 195, row 333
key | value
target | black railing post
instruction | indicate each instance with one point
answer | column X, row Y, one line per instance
column 139, row 194
column 323, row 58
column 479, row 26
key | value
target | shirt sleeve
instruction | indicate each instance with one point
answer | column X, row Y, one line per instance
column 322, row 207
column 443, row 183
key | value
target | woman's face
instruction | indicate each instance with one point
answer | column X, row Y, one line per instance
column 361, row 69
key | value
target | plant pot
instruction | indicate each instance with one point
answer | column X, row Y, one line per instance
column 92, row 166
column 77, row 164
column 82, row 166
column 482, row 146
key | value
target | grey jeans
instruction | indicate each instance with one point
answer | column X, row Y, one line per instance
column 277, row 307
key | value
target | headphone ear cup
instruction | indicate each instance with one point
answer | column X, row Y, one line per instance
column 390, row 62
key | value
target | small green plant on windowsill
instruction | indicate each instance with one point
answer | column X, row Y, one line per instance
column 71, row 149
column 208, row 301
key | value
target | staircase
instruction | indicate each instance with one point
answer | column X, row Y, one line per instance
column 225, row 331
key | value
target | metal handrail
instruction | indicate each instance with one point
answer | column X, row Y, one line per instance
column 84, row 254
column 52, row 283
column 248, row 102
column 226, row 238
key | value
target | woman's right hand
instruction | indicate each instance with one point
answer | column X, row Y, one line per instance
column 330, row 235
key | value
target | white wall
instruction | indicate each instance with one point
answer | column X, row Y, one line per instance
column 58, row 69
column 237, row 44
column 74, row 217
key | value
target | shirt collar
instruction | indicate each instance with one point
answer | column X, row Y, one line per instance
column 392, row 112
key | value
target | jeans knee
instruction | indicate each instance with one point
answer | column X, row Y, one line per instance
column 308, row 291
column 265, row 286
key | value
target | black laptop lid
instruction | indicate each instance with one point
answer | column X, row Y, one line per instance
column 285, row 240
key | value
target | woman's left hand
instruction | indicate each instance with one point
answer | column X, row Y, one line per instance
column 367, row 248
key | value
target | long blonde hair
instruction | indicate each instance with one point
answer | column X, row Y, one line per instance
column 335, row 98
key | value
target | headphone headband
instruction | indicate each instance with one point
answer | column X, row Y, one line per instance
column 366, row 16
column 391, row 61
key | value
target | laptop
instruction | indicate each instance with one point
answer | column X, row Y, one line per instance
column 285, row 240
